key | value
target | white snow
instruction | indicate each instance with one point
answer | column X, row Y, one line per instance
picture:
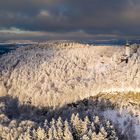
column 123, row 120
column 69, row 71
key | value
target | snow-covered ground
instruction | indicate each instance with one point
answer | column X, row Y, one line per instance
column 61, row 75
column 46, row 73
column 126, row 124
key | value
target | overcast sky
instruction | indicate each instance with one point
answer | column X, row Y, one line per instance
column 69, row 19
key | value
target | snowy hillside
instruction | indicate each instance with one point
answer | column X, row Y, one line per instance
column 70, row 91
column 46, row 73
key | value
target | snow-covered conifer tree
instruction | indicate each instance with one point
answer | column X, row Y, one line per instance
column 67, row 131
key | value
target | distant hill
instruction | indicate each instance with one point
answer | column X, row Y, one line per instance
column 111, row 42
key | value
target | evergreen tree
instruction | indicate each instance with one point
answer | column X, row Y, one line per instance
column 21, row 137
column 94, row 136
column 111, row 133
column 103, row 132
column 85, row 137
column 59, row 125
column 93, row 127
column 97, row 124
column 67, row 132
column 50, row 134
column 55, row 134
column 90, row 133
column 41, row 135
column 46, row 125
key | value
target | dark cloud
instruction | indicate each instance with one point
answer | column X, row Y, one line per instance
column 93, row 17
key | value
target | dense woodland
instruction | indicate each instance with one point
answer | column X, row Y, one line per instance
column 69, row 91
column 83, row 120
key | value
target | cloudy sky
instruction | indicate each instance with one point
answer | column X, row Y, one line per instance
column 69, row 19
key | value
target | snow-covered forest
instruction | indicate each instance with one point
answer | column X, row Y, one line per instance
column 70, row 91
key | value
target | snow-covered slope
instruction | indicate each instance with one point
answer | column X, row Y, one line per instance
column 51, row 74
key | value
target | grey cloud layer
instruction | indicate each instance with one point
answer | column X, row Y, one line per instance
column 93, row 17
